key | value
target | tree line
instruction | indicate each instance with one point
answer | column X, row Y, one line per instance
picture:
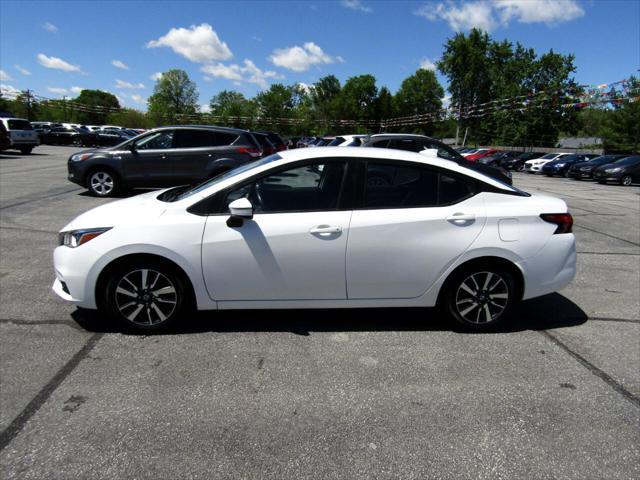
column 479, row 70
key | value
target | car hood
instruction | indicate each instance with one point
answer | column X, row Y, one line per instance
column 606, row 166
column 129, row 211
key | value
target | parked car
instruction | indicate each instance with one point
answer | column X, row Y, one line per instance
column 584, row 170
column 517, row 163
column 5, row 139
column 481, row 153
column 108, row 138
column 163, row 157
column 21, row 134
column 624, row 171
column 276, row 140
column 69, row 136
column 266, row 146
column 306, row 229
column 495, row 159
column 348, row 141
column 561, row 165
column 432, row 147
column 535, row 166
column 43, row 127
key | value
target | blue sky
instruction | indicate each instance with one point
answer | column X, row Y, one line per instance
column 56, row 48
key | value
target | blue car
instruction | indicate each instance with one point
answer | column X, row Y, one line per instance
column 561, row 166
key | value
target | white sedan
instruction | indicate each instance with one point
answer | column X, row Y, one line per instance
column 535, row 165
column 320, row 228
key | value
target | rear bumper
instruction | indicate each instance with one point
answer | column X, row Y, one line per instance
column 551, row 269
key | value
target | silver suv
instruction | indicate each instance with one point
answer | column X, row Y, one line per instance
column 21, row 134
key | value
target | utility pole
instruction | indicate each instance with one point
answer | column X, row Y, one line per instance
column 64, row 108
column 27, row 95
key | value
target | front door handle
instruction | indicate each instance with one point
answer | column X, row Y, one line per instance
column 460, row 218
column 325, row 230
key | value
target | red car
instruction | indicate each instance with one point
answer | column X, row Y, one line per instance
column 481, row 154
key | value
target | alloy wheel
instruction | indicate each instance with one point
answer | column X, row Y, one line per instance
column 146, row 297
column 102, row 183
column 482, row 297
column 626, row 180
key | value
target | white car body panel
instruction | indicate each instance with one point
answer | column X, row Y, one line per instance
column 368, row 258
column 20, row 137
column 536, row 164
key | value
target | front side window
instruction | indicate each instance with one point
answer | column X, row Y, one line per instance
column 405, row 186
column 156, row 141
column 306, row 188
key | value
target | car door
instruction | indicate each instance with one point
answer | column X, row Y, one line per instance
column 148, row 163
column 294, row 246
column 193, row 150
column 409, row 230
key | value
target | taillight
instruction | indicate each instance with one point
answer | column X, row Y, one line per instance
column 564, row 221
column 252, row 152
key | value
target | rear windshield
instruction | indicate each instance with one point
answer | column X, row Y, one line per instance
column 19, row 125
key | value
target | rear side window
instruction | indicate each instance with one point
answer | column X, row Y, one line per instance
column 404, row 144
column 380, row 144
column 201, row 138
column 405, row 186
column 19, row 125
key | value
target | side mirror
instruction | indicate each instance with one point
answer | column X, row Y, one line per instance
column 132, row 147
column 240, row 210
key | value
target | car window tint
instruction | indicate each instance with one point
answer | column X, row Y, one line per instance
column 19, row 125
column 390, row 186
column 156, row 141
column 380, row 144
column 453, row 189
column 308, row 188
column 404, row 144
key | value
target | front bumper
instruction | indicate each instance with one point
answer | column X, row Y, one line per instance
column 76, row 271
column 607, row 177
column 533, row 168
column 579, row 174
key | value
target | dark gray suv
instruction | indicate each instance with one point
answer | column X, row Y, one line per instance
column 163, row 157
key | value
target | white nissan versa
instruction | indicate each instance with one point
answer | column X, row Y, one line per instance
column 320, row 228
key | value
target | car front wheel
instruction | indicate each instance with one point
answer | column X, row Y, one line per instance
column 146, row 296
column 480, row 298
column 102, row 183
column 626, row 180
column 26, row 150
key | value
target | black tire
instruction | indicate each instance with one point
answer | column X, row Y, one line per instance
column 26, row 150
column 153, row 308
column 77, row 141
column 520, row 167
column 626, row 180
column 469, row 300
column 103, row 182
column 549, row 175
column 565, row 174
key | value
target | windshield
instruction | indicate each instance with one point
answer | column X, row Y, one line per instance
column 19, row 125
column 628, row 160
column 603, row 159
column 231, row 173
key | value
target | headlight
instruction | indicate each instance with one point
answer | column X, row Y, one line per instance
column 80, row 156
column 75, row 238
column 613, row 170
column 560, row 165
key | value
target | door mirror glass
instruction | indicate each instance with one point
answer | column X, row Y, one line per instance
column 241, row 208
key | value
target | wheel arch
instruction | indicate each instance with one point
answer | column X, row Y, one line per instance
column 101, row 166
column 121, row 261
column 492, row 260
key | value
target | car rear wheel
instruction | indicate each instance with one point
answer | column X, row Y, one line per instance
column 77, row 141
column 519, row 167
column 481, row 297
column 626, row 180
column 146, row 296
column 103, row 183
column 565, row 174
column 26, row 150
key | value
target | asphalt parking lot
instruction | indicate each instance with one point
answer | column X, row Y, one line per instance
column 323, row 394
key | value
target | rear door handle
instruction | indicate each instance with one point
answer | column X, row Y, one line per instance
column 460, row 217
column 325, row 230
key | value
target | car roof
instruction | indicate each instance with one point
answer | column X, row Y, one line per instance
column 401, row 135
column 208, row 127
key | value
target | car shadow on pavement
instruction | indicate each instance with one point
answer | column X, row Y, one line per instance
column 544, row 313
column 123, row 194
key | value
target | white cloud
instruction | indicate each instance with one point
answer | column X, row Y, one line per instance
column 128, row 85
column 9, row 90
column 156, row 76
column 205, row 108
column 355, row 5
column 427, row 64
column 247, row 73
column 199, row 44
column 305, row 86
column 58, row 90
column 4, row 76
column 57, row 63
column 464, row 17
column 300, row 59
column 119, row 64
column 446, row 101
column 76, row 89
column 489, row 14
column 22, row 70
column 50, row 27
column 138, row 98
column 538, row 11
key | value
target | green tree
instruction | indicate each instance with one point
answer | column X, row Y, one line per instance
column 98, row 104
column 358, row 100
column 621, row 129
column 325, row 95
column 173, row 95
column 230, row 105
column 130, row 118
column 384, row 105
column 419, row 93
column 276, row 103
